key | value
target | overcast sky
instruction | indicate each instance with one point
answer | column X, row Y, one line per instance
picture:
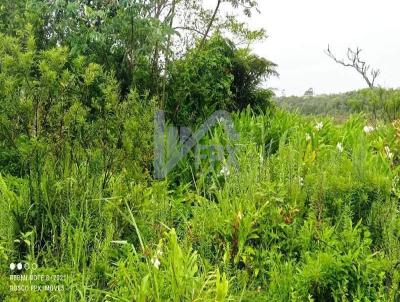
column 300, row 30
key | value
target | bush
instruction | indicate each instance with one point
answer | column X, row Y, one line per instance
column 217, row 76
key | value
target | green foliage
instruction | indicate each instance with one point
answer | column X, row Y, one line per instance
column 200, row 83
column 216, row 76
column 123, row 37
column 248, row 71
column 303, row 219
column 312, row 213
column 377, row 103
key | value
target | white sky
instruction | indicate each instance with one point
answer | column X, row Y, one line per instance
column 300, row 30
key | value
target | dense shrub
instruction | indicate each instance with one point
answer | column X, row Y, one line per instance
column 217, row 76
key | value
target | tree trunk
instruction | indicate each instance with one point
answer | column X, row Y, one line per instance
column 203, row 41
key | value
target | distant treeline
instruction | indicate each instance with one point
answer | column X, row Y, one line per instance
column 378, row 103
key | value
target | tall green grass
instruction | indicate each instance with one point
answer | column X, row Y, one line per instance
column 312, row 214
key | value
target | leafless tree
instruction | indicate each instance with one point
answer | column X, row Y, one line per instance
column 353, row 60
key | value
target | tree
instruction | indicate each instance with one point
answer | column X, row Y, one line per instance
column 354, row 61
column 196, row 22
column 200, row 82
column 216, row 76
column 249, row 70
column 309, row 92
column 247, row 5
column 126, row 37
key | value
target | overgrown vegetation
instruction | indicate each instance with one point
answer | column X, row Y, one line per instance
column 311, row 212
column 376, row 103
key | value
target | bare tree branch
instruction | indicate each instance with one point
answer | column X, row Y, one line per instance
column 354, row 61
column 189, row 29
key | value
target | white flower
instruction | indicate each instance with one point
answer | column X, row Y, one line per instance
column 155, row 262
column 261, row 158
column 159, row 253
column 224, row 171
column 301, row 181
column 319, row 126
column 308, row 137
column 339, row 147
column 388, row 153
column 368, row 129
column 395, row 183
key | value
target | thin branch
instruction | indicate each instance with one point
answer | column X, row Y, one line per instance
column 354, row 61
column 203, row 41
column 189, row 29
